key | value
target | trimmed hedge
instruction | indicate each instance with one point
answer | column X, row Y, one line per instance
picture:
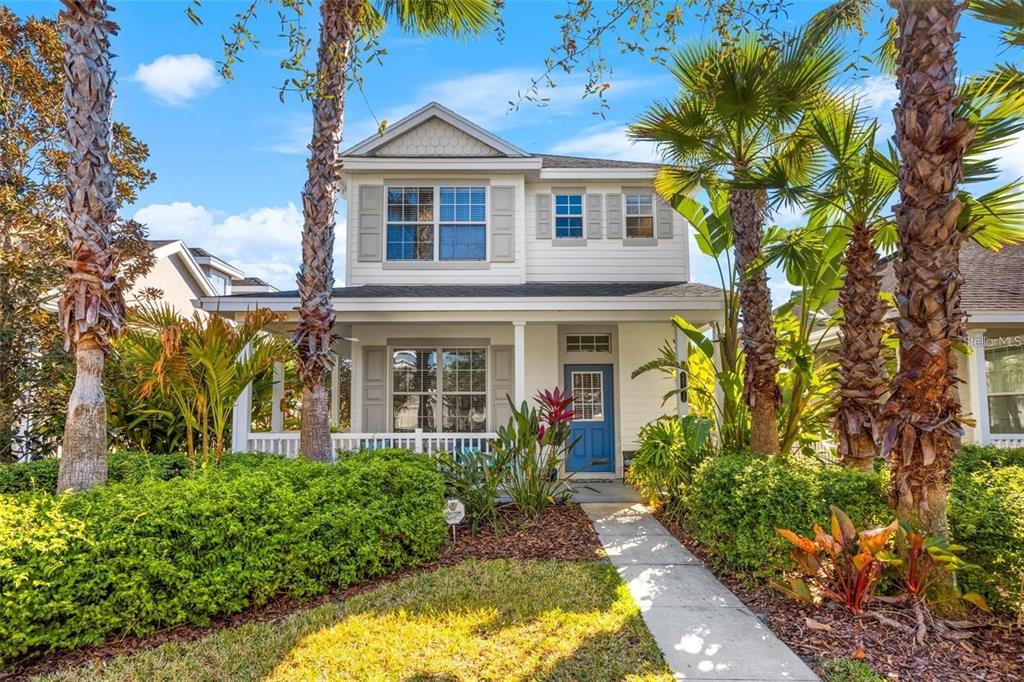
column 122, row 467
column 735, row 503
column 981, row 457
column 131, row 558
column 986, row 515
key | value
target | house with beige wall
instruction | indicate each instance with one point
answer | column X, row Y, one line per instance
column 476, row 273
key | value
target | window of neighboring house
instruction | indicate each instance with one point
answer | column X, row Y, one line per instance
column 463, row 223
column 1004, row 375
column 410, row 223
column 457, row 384
column 456, row 231
column 639, row 216
column 220, row 284
column 568, row 216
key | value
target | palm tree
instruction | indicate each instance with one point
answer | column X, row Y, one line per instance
column 91, row 309
column 342, row 24
column 738, row 123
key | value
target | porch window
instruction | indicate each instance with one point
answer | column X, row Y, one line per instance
column 410, row 223
column 588, row 343
column 568, row 216
column 588, row 396
column 456, row 231
column 639, row 216
column 453, row 378
column 1004, row 375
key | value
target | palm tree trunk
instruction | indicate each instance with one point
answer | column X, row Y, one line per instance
column 862, row 378
column 92, row 307
column 922, row 416
column 316, row 279
column 760, row 389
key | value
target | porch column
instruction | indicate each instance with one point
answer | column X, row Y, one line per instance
column 241, row 415
column 277, row 395
column 979, row 388
column 519, row 343
column 717, row 360
column 335, row 390
column 682, row 350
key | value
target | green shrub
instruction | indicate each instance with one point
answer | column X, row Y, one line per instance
column 977, row 457
column 986, row 515
column 735, row 502
column 670, row 451
column 122, row 467
column 131, row 558
column 476, row 479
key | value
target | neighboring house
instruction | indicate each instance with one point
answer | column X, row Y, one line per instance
column 181, row 276
column 477, row 272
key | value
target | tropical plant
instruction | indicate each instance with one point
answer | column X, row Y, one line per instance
column 842, row 565
column 350, row 31
column 91, row 307
column 738, row 123
column 33, row 238
column 671, row 449
column 476, row 478
column 536, row 444
column 202, row 365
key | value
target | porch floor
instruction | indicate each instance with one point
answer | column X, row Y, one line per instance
column 590, row 492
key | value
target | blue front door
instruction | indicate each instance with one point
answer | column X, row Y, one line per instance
column 593, row 428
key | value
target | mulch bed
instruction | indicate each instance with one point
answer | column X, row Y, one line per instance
column 994, row 651
column 562, row 532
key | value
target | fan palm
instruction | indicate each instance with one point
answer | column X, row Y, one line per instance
column 91, row 307
column 342, row 23
column 738, row 122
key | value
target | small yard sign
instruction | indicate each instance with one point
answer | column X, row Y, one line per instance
column 454, row 511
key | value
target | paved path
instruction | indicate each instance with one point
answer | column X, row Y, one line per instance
column 704, row 630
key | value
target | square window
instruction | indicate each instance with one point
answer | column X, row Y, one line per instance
column 639, row 216
column 568, row 216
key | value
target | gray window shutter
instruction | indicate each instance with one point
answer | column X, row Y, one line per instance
column 594, row 222
column 375, row 389
column 371, row 223
column 613, row 205
column 503, row 361
column 663, row 218
column 543, row 216
column 503, row 215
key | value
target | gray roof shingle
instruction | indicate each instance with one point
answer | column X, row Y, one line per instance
column 557, row 161
column 528, row 290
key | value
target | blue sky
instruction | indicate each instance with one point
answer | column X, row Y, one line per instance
column 230, row 157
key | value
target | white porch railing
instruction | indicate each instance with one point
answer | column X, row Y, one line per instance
column 287, row 442
column 1007, row 442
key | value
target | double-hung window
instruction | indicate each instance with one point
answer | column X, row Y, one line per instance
column 568, row 216
column 439, row 389
column 1004, row 374
column 436, row 223
column 639, row 216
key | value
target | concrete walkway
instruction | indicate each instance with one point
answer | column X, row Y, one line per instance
column 703, row 629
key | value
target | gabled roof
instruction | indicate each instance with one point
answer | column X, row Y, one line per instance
column 425, row 113
column 167, row 248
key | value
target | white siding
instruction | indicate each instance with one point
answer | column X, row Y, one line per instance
column 542, row 369
column 607, row 260
column 640, row 398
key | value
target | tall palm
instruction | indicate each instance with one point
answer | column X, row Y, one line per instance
column 342, row 24
column 737, row 122
column 91, row 307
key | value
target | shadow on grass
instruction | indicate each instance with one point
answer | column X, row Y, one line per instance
column 498, row 620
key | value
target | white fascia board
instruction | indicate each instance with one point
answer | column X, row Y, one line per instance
column 994, row 317
column 221, row 266
column 424, row 113
column 625, row 174
column 439, row 163
column 665, row 303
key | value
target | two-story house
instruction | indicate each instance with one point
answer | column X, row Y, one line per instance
column 476, row 271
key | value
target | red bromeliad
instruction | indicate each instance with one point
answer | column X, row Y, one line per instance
column 555, row 406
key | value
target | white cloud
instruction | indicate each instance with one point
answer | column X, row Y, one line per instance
column 1010, row 159
column 607, row 141
column 877, row 94
column 174, row 79
column 263, row 242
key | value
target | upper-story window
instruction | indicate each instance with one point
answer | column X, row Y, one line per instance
column 457, row 230
column 220, row 283
column 639, row 216
column 568, row 216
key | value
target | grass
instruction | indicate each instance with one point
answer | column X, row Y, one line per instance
column 849, row 670
column 495, row 620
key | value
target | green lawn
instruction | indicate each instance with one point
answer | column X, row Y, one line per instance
column 496, row 620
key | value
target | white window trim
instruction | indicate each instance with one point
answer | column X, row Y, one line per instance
column 595, row 336
column 439, row 392
column 582, row 216
column 626, row 216
column 436, row 261
column 998, row 394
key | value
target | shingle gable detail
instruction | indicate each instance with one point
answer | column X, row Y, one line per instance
column 435, row 137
